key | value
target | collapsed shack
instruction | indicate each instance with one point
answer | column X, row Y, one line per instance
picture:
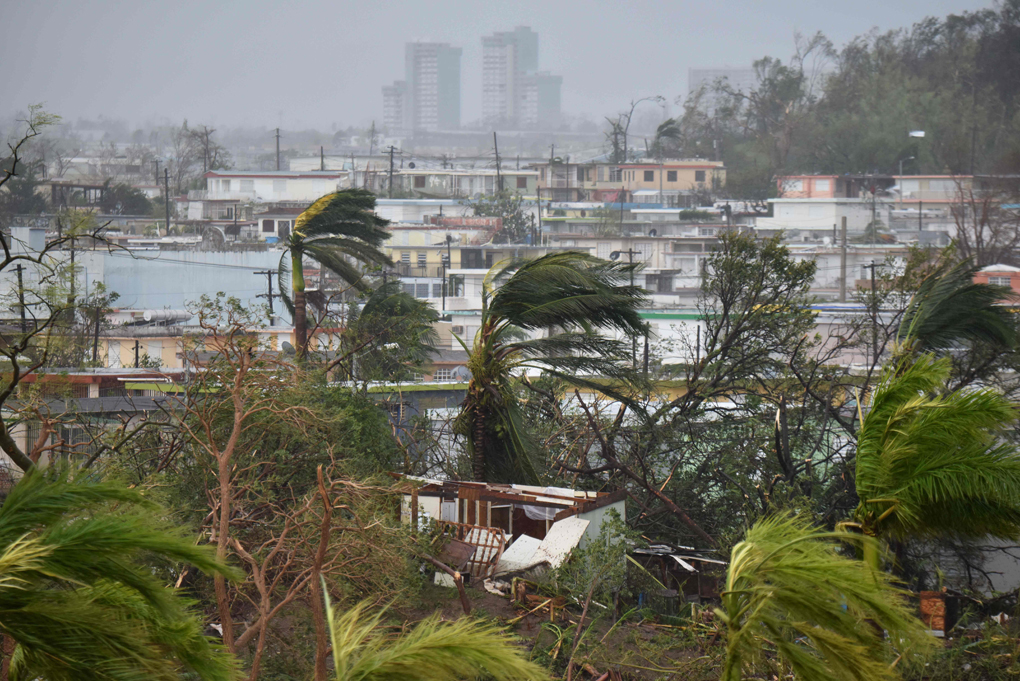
column 512, row 528
column 689, row 575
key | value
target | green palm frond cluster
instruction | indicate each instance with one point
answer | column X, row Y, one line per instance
column 788, row 590
column 949, row 307
column 78, row 593
column 576, row 297
column 465, row 649
column 933, row 464
column 335, row 229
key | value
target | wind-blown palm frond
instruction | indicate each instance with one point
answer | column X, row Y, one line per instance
column 338, row 231
column 788, row 589
column 465, row 649
column 571, row 292
column 393, row 334
column 932, row 464
column 79, row 595
column 949, row 308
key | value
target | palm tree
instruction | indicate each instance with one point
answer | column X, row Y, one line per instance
column 931, row 464
column 79, row 595
column 949, row 307
column 335, row 229
column 788, row 589
column 388, row 338
column 575, row 292
column 464, row 649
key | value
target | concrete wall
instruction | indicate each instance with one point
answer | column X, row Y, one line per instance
column 155, row 280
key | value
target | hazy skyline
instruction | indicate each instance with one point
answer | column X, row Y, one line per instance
column 313, row 64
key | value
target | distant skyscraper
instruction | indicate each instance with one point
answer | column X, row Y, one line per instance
column 513, row 91
column 394, row 105
column 429, row 96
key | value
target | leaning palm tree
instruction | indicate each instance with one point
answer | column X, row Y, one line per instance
column 574, row 292
column 949, row 307
column 789, row 591
column 333, row 231
column 465, row 649
column 79, row 594
column 933, row 464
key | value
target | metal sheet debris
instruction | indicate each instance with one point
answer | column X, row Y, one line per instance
column 562, row 538
column 684, row 564
column 519, row 555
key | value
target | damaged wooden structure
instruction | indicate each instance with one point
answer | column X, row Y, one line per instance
column 492, row 517
column 683, row 570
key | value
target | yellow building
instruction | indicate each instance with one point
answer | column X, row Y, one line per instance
column 603, row 181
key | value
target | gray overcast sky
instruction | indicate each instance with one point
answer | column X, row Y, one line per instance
column 315, row 63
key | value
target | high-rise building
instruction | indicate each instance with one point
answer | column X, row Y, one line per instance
column 394, row 105
column 514, row 93
column 432, row 72
column 429, row 96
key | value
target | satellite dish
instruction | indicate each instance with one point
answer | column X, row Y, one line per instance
column 615, row 255
column 411, row 165
column 288, row 349
column 653, row 233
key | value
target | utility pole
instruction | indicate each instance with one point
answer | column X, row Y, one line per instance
column 136, row 354
column 95, row 335
column 920, row 212
column 21, row 299
column 268, row 295
column 842, row 262
column 499, row 176
column 322, row 159
column 874, row 311
column 166, row 196
column 390, row 184
column 277, row 148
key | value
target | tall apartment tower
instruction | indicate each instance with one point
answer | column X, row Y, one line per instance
column 429, row 96
column 394, row 105
column 514, row 92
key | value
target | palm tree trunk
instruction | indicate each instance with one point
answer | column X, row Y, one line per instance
column 478, row 446
column 300, row 315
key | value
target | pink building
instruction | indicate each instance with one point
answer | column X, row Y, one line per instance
column 999, row 275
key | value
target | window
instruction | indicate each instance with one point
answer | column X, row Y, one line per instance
column 408, row 289
column 437, row 290
column 154, row 349
column 522, row 183
column 444, row 374
column 113, row 354
column 686, row 265
column 649, row 176
column 793, row 185
column 279, row 186
column 580, row 174
column 247, row 185
column 603, row 250
column 419, row 181
column 823, row 185
column 421, row 291
column 405, row 257
column 422, row 259
column 670, row 176
column 225, row 185
column 644, row 251
column 699, row 175
column 601, row 174
column 999, row 281
column 267, row 227
column 615, row 175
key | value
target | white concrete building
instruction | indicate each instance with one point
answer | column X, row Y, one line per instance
column 280, row 186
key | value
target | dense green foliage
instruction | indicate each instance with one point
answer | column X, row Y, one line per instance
column 80, row 595
column 842, row 111
column 575, row 293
